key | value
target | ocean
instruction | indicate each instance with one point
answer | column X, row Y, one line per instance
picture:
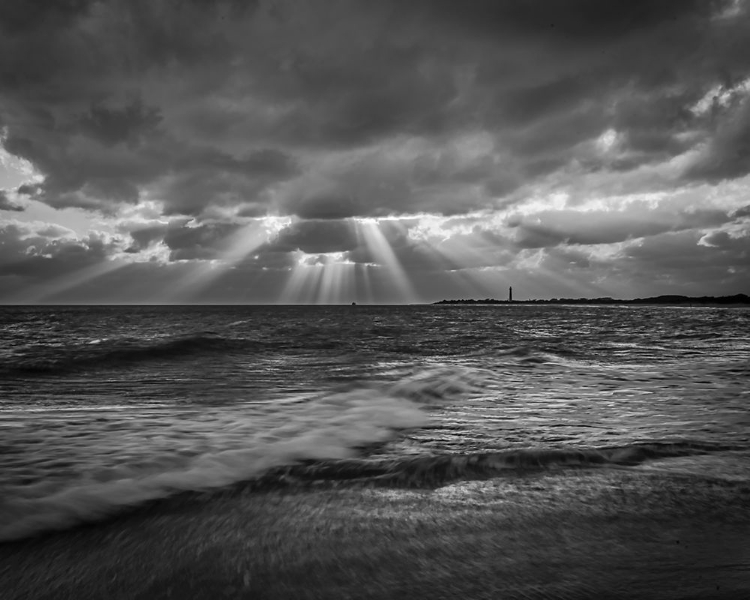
column 103, row 409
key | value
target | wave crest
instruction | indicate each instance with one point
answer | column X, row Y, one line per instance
column 108, row 353
column 329, row 427
column 430, row 471
column 319, row 457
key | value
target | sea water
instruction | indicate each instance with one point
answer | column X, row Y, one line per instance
column 102, row 408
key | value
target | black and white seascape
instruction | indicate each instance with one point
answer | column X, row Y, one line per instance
column 107, row 407
column 374, row 299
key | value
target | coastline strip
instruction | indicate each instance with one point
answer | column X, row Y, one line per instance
column 570, row 534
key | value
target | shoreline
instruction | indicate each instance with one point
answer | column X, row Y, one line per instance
column 574, row 303
column 618, row 533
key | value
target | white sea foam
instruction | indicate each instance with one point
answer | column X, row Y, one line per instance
column 327, row 427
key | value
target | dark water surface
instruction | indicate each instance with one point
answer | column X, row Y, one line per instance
column 102, row 407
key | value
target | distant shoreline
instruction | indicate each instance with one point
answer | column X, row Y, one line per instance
column 670, row 300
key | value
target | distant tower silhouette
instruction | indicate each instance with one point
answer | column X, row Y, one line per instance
column 510, row 294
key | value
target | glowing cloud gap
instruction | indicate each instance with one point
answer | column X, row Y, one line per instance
column 381, row 250
column 238, row 247
column 452, row 261
column 451, row 251
column 321, row 279
column 303, row 284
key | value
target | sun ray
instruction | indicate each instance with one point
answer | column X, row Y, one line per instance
column 312, row 295
column 330, row 285
column 380, row 248
column 336, row 281
column 237, row 247
column 363, row 279
column 464, row 264
column 48, row 290
column 362, row 273
column 303, row 281
column 574, row 287
column 295, row 283
column 565, row 285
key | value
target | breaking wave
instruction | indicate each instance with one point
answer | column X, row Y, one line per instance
column 430, row 471
column 329, row 427
column 326, row 452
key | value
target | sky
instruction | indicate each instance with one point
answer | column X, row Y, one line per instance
column 338, row 151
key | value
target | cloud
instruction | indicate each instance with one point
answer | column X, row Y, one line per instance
column 727, row 154
column 7, row 204
column 580, row 23
column 316, row 237
column 41, row 250
column 211, row 116
column 145, row 236
column 273, row 102
column 203, row 241
column 669, row 255
column 550, row 228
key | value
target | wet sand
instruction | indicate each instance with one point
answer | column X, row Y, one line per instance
column 594, row 533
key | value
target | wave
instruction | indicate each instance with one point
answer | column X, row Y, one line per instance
column 301, row 440
column 100, row 353
column 431, row 471
column 123, row 351
column 314, row 459
column 330, row 427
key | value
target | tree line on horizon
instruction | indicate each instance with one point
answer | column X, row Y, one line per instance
column 665, row 299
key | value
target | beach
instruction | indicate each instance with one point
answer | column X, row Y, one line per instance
column 588, row 533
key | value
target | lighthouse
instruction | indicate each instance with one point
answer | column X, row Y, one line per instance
column 510, row 294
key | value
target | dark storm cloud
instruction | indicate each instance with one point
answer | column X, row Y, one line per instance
column 268, row 258
column 736, row 245
column 572, row 22
column 21, row 17
column 7, row 204
column 229, row 104
column 727, row 154
column 316, row 237
column 72, row 103
column 28, row 189
column 672, row 253
column 144, row 237
column 326, row 206
column 111, row 153
column 202, row 241
column 119, row 125
column 203, row 177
